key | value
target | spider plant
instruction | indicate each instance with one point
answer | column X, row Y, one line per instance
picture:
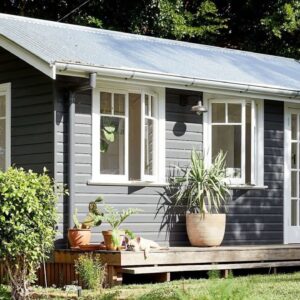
column 202, row 189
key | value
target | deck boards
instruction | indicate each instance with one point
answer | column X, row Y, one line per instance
column 177, row 259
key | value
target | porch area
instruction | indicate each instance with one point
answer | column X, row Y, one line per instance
column 161, row 263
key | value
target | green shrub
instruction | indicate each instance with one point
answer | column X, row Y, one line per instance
column 91, row 271
column 214, row 274
column 27, row 225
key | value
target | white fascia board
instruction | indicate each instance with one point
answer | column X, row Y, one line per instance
column 175, row 81
column 28, row 57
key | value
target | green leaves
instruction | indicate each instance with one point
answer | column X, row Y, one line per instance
column 202, row 189
column 115, row 218
column 27, row 220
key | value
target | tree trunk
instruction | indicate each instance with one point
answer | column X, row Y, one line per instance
column 19, row 283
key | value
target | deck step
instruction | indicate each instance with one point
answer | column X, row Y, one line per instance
column 207, row 267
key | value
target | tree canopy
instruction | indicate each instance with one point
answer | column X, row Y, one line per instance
column 269, row 26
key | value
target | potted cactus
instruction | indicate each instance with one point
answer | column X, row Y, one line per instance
column 80, row 235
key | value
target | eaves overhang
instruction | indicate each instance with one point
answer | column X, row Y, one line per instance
column 177, row 81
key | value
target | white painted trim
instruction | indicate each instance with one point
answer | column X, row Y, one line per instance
column 206, row 132
column 260, row 149
column 129, row 183
column 162, row 79
column 144, row 177
column 159, row 161
column 286, row 207
column 30, row 58
column 257, row 172
column 288, row 236
column 5, row 90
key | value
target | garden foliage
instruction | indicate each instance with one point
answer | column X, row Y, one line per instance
column 27, row 225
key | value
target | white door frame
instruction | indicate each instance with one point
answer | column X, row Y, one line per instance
column 287, row 234
column 5, row 90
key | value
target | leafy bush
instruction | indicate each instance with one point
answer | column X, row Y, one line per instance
column 91, row 271
column 214, row 274
column 27, row 225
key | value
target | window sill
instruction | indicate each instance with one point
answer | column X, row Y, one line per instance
column 129, row 183
column 247, row 187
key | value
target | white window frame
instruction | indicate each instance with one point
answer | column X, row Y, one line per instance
column 145, row 177
column 257, row 133
column 5, row 90
column 159, row 140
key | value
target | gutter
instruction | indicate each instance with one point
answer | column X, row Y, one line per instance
column 172, row 79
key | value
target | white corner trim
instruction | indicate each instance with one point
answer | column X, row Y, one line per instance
column 27, row 56
column 5, row 90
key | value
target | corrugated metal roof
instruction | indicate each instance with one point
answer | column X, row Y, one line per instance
column 57, row 42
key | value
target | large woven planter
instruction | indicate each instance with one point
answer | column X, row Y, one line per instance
column 207, row 230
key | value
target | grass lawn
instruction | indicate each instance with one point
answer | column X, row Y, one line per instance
column 282, row 286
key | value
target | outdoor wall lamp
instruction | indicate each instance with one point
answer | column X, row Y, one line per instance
column 199, row 108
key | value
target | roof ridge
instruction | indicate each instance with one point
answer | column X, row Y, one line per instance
column 141, row 37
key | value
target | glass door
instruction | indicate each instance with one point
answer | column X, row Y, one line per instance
column 292, row 177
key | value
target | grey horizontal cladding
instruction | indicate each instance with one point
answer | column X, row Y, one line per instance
column 32, row 131
column 266, row 205
column 28, row 149
column 254, row 216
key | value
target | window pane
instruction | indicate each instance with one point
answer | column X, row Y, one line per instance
column 134, row 145
column 294, row 213
column 228, row 139
column 152, row 106
column 294, row 184
column 218, row 112
column 119, row 104
column 2, row 106
column 112, row 152
column 294, row 156
column 2, row 145
column 294, row 127
column 147, row 104
column 105, row 103
column 234, row 113
column 148, row 147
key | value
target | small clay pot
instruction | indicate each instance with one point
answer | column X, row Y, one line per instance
column 107, row 235
column 205, row 230
column 79, row 237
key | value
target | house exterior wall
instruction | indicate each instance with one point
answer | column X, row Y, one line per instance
column 32, row 128
column 254, row 216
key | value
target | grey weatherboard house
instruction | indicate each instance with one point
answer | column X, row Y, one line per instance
column 109, row 114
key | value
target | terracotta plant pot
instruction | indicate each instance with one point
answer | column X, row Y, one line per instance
column 107, row 235
column 207, row 230
column 79, row 237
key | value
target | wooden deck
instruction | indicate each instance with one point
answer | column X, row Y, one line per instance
column 181, row 259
